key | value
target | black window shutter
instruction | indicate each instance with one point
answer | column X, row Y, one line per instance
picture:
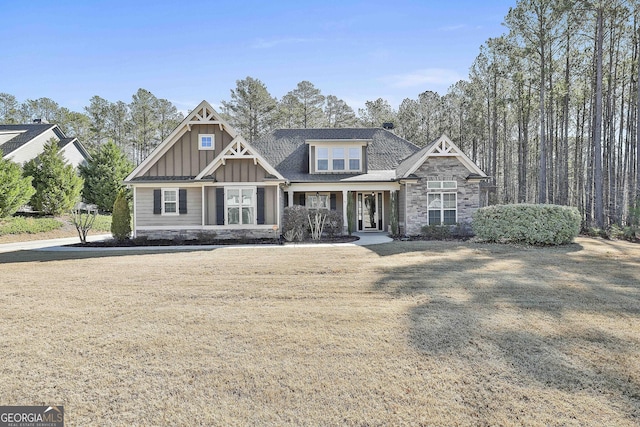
column 220, row 206
column 157, row 202
column 182, row 197
column 260, row 201
column 302, row 200
column 332, row 201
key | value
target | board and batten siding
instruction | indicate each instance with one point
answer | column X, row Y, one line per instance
column 239, row 171
column 146, row 218
column 184, row 158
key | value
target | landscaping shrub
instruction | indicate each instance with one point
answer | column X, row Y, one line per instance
column 295, row 223
column 528, row 224
column 436, row 232
column 121, row 219
column 333, row 224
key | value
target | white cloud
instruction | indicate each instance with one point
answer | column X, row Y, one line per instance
column 434, row 76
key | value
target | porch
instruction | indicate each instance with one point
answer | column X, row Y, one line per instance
column 371, row 207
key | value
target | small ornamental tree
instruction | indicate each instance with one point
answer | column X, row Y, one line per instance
column 103, row 175
column 56, row 183
column 121, row 218
column 15, row 189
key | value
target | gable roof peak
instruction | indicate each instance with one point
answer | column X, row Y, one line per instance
column 204, row 113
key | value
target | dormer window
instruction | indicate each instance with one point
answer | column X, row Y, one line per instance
column 322, row 157
column 339, row 159
column 354, row 158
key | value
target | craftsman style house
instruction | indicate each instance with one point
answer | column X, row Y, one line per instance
column 205, row 179
column 21, row 143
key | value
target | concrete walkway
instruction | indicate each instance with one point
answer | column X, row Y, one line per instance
column 365, row 239
column 50, row 243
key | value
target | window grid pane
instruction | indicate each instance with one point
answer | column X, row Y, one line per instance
column 434, row 217
column 434, row 201
column 449, row 217
column 449, row 201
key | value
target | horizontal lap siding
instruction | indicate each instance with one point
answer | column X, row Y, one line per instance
column 144, row 209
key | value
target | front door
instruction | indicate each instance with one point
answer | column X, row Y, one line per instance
column 370, row 211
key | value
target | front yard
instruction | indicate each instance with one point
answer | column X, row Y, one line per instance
column 405, row 333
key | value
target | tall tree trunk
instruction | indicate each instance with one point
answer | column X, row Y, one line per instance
column 542, row 164
column 597, row 129
column 638, row 111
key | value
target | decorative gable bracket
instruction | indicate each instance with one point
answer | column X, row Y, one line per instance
column 444, row 147
column 204, row 116
column 237, row 150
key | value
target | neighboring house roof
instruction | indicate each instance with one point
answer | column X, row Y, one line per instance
column 288, row 152
column 27, row 133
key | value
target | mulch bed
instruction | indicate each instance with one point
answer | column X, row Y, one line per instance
column 112, row 243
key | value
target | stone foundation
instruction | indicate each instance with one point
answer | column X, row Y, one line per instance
column 238, row 234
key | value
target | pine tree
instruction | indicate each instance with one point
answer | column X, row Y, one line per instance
column 103, row 175
column 56, row 183
column 15, row 190
column 251, row 109
column 121, row 219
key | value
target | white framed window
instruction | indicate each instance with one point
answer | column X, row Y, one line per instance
column 442, row 208
column 318, row 201
column 441, row 184
column 338, row 159
column 355, row 153
column 240, row 205
column 322, row 159
column 170, row 201
column 206, row 141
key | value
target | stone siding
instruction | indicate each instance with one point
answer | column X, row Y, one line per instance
column 239, row 234
column 468, row 197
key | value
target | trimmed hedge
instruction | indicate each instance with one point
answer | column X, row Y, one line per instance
column 527, row 223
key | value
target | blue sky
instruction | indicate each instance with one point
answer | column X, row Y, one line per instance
column 187, row 51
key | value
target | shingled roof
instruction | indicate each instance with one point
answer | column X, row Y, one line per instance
column 27, row 133
column 286, row 150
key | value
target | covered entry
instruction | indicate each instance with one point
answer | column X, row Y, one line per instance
column 370, row 210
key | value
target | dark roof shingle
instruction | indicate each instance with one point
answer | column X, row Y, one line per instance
column 30, row 131
column 286, row 150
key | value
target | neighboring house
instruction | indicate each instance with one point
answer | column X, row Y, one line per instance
column 205, row 179
column 21, row 143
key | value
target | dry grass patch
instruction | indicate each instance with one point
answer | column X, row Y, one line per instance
column 412, row 333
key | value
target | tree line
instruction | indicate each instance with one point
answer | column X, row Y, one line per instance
column 549, row 110
column 136, row 127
